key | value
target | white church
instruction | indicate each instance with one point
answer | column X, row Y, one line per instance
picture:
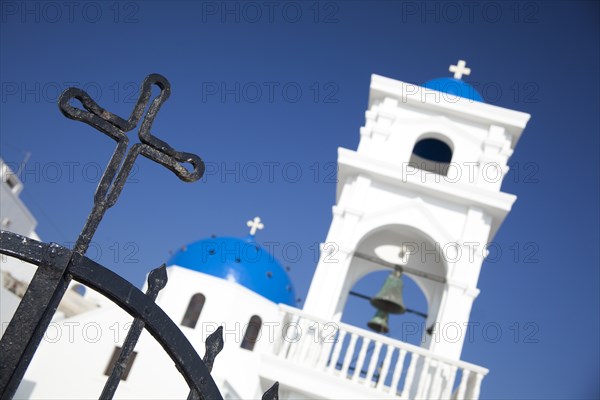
column 427, row 173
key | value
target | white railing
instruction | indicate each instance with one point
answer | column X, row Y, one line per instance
column 376, row 361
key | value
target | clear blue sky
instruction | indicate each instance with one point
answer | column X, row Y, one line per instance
column 280, row 88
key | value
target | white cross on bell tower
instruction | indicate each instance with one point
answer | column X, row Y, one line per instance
column 460, row 69
column 255, row 225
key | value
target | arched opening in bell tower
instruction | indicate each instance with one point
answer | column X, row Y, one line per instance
column 432, row 154
column 423, row 275
column 383, row 256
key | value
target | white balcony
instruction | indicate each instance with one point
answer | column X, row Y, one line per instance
column 313, row 357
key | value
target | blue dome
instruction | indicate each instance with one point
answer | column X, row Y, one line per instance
column 455, row 87
column 238, row 260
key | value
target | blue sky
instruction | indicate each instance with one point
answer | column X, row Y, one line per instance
column 266, row 93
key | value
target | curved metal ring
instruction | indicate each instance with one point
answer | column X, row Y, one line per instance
column 130, row 299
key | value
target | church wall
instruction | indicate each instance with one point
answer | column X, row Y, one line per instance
column 229, row 305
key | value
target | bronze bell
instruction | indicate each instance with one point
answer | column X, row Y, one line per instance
column 389, row 298
column 379, row 323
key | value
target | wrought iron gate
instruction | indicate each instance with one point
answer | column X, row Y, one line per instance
column 57, row 265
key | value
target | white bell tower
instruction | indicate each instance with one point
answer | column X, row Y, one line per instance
column 426, row 178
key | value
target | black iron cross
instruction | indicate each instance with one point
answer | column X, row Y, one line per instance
column 120, row 164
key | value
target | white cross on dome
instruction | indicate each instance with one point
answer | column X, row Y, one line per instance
column 460, row 69
column 254, row 225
